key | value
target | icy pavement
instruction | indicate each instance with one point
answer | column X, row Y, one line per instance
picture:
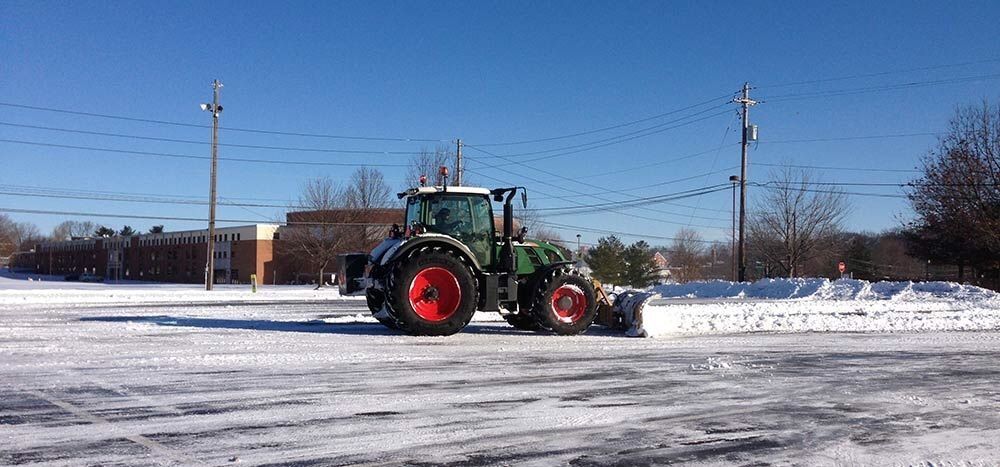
column 282, row 381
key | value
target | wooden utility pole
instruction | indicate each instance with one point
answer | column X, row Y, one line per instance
column 458, row 164
column 216, row 109
column 745, row 102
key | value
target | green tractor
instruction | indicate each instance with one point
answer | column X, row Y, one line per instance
column 448, row 261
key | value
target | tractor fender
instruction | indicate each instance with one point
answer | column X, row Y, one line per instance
column 403, row 249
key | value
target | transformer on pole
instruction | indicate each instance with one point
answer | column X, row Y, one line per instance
column 216, row 109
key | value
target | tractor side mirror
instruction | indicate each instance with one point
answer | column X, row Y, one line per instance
column 524, row 199
column 520, row 234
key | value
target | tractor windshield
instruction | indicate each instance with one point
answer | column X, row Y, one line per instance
column 467, row 218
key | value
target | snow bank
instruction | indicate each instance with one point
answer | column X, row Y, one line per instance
column 824, row 289
column 816, row 305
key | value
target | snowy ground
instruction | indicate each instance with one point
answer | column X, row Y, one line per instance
column 127, row 374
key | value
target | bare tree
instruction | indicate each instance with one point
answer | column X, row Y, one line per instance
column 427, row 163
column 71, row 229
column 17, row 236
column 957, row 199
column 686, row 255
column 364, row 197
column 317, row 235
column 794, row 222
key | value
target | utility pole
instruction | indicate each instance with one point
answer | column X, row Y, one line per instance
column 734, row 180
column 216, row 109
column 458, row 164
column 745, row 102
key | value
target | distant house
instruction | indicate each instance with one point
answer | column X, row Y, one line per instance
column 662, row 267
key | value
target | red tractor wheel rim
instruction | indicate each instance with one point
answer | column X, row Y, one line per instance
column 435, row 294
column 569, row 303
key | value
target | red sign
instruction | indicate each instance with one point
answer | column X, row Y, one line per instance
column 842, row 267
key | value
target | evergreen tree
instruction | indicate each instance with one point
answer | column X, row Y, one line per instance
column 640, row 269
column 127, row 231
column 156, row 229
column 103, row 231
column 606, row 260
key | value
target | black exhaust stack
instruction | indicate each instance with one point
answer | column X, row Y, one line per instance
column 506, row 257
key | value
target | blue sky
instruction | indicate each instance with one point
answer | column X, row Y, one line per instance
column 485, row 72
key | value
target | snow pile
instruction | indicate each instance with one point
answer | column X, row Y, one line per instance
column 817, row 305
column 825, row 289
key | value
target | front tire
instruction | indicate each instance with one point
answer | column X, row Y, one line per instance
column 432, row 293
column 565, row 302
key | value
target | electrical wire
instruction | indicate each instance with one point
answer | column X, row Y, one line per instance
column 192, row 219
column 188, row 141
column 849, row 138
column 616, row 232
column 641, row 133
column 192, row 156
column 613, row 127
column 826, row 167
column 873, row 75
column 864, row 90
column 192, row 125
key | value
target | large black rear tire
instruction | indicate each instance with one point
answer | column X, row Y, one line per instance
column 565, row 302
column 432, row 293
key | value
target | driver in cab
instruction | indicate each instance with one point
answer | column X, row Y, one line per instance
column 443, row 222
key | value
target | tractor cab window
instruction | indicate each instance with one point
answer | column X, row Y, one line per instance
column 412, row 214
column 467, row 218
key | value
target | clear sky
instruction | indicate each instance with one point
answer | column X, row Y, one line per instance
column 486, row 72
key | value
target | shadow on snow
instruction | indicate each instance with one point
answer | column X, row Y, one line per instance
column 315, row 326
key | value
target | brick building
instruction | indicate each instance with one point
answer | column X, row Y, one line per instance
column 160, row 257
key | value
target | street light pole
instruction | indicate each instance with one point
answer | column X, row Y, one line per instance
column 216, row 109
column 578, row 246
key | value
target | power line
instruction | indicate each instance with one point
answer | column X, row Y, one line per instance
column 769, row 185
column 641, row 133
column 889, row 87
column 827, row 167
column 193, row 219
column 192, row 156
column 653, row 219
column 615, row 232
column 613, row 127
column 872, row 75
column 245, row 130
column 188, row 141
column 564, row 188
column 849, row 138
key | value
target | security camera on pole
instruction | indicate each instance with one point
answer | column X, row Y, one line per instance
column 216, row 109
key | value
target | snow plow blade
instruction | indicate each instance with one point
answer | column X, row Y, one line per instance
column 622, row 312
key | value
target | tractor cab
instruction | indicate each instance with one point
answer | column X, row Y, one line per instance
column 464, row 214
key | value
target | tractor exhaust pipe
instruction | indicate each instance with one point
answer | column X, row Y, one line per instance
column 507, row 263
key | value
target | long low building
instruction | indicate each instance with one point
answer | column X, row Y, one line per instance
column 161, row 257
